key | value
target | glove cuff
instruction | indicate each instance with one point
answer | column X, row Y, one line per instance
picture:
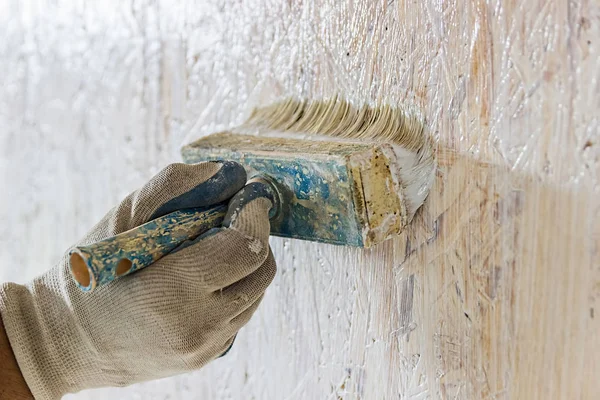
column 31, row 342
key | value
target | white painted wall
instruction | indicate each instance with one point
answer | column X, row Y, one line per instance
column 494, row 292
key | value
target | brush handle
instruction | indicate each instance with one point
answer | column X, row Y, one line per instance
column 99, row 263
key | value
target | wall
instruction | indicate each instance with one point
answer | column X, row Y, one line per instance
column 494, row 291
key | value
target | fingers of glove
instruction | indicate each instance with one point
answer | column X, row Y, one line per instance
column 242, row 294
column 244, row 317
column 205, row 190
column 248, row 213
column 228, row 348
column 217, row 261
column 224, row 256
column 252, row 222
column 176, row 187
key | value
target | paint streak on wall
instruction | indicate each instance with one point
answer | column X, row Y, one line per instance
column 493, row 292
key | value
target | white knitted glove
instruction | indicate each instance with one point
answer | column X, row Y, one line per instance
column 171, row 317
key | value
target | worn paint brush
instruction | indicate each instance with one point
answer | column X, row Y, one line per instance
column 342, row 175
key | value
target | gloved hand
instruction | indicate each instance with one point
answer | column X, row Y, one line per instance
column 171, row 317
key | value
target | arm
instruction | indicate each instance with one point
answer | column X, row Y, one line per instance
column 13, row 384
column 172, row 317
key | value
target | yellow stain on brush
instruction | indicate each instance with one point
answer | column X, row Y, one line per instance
column 351, row 175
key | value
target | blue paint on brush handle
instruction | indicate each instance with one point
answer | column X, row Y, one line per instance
column 99, row 263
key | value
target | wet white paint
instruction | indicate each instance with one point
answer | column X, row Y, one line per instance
column 494, row 294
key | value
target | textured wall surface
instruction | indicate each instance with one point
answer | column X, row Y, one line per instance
column 494, row 292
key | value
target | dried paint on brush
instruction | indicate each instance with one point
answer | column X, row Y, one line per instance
column 334, row 192
column 336, row 119
column 101, row 262
column 315, row 190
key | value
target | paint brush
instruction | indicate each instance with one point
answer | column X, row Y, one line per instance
column 342, row 175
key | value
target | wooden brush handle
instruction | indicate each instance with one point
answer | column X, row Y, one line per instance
column 99, row 263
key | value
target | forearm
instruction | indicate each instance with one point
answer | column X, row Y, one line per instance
column 13, row 384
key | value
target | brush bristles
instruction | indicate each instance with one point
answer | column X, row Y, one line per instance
column 339, row 119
